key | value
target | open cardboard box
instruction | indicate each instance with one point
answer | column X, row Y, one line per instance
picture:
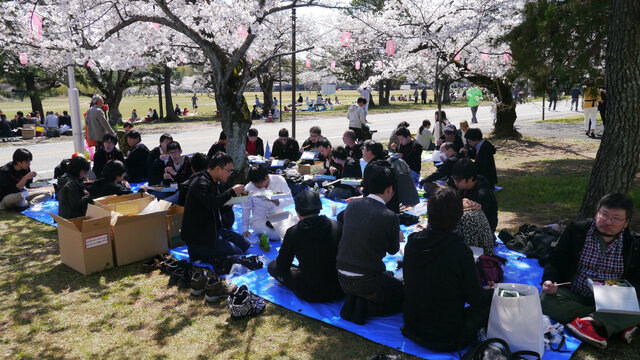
column 86, row 242
column 136, row 236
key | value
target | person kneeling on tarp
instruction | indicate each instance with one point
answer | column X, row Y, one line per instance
column 15, row 180
column 314, row 242
column 604, row 248
column 202, row 228
column 439, row 278
column 74, row 197
column 263, row 215
column 112, row 181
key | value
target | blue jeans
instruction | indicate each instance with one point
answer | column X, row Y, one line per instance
column 228, row 243
column 474, row 110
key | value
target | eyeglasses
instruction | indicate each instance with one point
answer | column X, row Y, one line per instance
column 606, row 217
column 228, row 171
column 174, row 152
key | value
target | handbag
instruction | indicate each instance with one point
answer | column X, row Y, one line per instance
column 516, row 317
column 496, row 349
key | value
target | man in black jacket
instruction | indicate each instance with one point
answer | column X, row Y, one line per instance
column 354, row 148
column 73, row 197
column 312, row 143
column 202, row 225
column 450, row 134
column 15, row 180
column 482, row 151
column 345, row 167
column 314, row 242
column 370, row 231
column 435, row 259
column 220, row 145
column 603, row 248
column 448, row 152
column 476, row 188
column 285, row 148
column 158, row 158
column 107, row 152
column 137, row 159
column 410, row 151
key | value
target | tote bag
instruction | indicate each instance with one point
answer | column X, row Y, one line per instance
column 517, row 319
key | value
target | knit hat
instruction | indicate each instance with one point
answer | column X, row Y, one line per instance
column 308, row 202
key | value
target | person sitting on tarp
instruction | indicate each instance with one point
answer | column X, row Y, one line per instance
column 354, row 149
column 202, row 225
column 314, row 242
column 450, row 134
column 476, row 188
column 198, row 163
column 346, row 167
column 370, row 231
column 285, row 148
column 263, row 215
column 440, row 278
column 15, row 180
column 137, row 159
column 220, row 145
column 112, row 181
column 254, row 146
column 325, row 150
column 74, row 197
column 603, row 248
column 449, row 157
column 177, row 170
column 311, row 144
column 106, row 153
column 158, row 159
column 410, row 151
column 482, row 151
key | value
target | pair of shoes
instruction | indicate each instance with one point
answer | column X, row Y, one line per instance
column 593, row 135
column 198, row 282
column 242, row 303
column 251, row 262
column 627, row 335
column 587, row 133
column 585, row 331
column 169, row 266
column 181, row 276
column 216, row 287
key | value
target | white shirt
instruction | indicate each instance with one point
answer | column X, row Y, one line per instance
column 257, row 208
column 377, row 198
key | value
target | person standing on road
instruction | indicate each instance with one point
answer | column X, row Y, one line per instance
column 97, row 124
column 590, row 101
column 553, row 98
column 357, row 118
column 602, row 106
column 365, row 93
column 474, row 96
column 575, row 96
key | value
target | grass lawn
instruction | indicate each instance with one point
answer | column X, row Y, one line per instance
column 574, row 119
column 48, row 310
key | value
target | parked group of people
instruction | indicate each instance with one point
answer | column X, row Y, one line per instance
column 52, row 121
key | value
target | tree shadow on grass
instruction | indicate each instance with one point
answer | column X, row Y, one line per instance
column 535, row 147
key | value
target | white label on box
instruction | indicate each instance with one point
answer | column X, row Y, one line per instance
column 96, row 241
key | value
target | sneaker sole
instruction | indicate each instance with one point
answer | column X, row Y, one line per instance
column 628, row 337
column 581, row 336
column 195, row 292
column 213, row 298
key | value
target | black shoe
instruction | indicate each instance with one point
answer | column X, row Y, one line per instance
column 216, row 288
column 175, row 276
column 251, row 262
column 593, row 135
column 198, row 282
column 360, row 311
column 347, row 309
column 169, row 266
column 242, row 303
column 185, row 280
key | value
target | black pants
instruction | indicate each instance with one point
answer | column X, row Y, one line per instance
column 228, row 243
column 359, row 133
column 553, row 102
column 316, row 292
column 383, row 292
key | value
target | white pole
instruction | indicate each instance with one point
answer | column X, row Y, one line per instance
column 74, row 98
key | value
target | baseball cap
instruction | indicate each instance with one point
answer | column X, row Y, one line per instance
column 450, row 128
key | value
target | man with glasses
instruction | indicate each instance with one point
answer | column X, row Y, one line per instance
column 311, row 144
column 600, row 248
column 202, row 226
column 285, row 148
column 476, row 188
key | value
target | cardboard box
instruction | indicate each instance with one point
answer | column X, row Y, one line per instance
column 85, row 243
column 174, row 224
column 136, row 236
column 112, row 199
column 28, row 131
column 304, row 169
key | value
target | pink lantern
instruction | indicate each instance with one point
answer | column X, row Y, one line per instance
column 507, row 56
column 24, row 59
column 391, row 47
column 485, row 57
column 357, row 65
column 468, row 67
column 242, row 32
column 457, row 57
column 307, row 63
column 89, row 63
column 345, row 38
column 36, row 24
column 250, row 60
column 155, row 26
column 379, row 64
column 333, row 64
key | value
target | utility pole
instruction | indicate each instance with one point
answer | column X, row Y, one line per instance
column 293, row 72
column 74, row 99
column 280, row 80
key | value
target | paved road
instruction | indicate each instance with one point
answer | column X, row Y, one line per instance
column 47, row 156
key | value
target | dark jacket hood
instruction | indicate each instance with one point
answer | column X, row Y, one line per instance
column 430, row 243
column 317, row 222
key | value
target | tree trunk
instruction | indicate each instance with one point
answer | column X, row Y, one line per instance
column 34, row 94
column 436, row 88
column 617, row 159
column 236, row 121
column 383, row 90
column 387, row 93
column 115, row 117
column 446, row 92
column 160, row 108
column 266, row 83
column 171, row 115
column 506, row 108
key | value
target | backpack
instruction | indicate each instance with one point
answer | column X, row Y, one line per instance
column 497, row 349
column 489, row 268
column 52, row 133
column 296, row 181
column 533, row 241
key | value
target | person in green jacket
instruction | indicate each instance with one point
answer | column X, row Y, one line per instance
column 474, row 95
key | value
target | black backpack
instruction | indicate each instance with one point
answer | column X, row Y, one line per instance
column 497, row 349
column 533, row 241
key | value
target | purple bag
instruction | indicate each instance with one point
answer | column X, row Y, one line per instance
column 489, row 268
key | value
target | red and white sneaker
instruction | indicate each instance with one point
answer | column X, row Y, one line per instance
column 628, row 334
column 584, row 330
